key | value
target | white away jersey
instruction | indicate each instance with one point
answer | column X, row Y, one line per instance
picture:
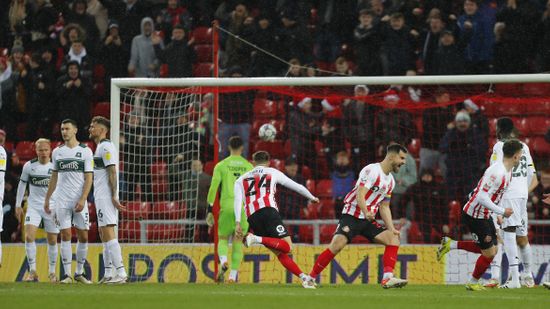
column 37, row 176
column 71, row 164
column 258, row 186
column 3, row 162
column 520, row 174
column 379, row 185
column 105, row 155
column 494, row 182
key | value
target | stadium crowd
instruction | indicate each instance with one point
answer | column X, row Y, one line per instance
column 57, row 59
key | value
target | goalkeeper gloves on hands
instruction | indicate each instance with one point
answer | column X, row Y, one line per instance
column 209, row 216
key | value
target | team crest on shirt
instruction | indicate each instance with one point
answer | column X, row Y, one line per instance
column 375, row 188
column 78, row 155
column 280, row 229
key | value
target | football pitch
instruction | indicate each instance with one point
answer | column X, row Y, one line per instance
column 262, row 296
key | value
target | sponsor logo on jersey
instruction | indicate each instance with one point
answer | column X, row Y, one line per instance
column 40, row 181
column 70, row 165
column 98, row 163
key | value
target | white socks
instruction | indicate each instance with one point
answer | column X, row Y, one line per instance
column 495, row 264
column 387, row 276
column 52, row 258
column 511, row 249
column 116, row 257
column 526, row 258
column 66, row 256
column 223, row 259
column 30, row 248
column 81, row 253
column 107, row 261
column 233, row 275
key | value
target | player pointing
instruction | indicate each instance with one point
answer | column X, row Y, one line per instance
column 106, row 199
column 257, row 190
column 477, row 213
column 36, row 175
column 70, row 184
column 371, row 193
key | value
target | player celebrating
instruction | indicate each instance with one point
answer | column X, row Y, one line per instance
column 514, row 228
column 36, row 173
column 371, row 192
column 69, row 186
column 106, row 199
column 477, row 213
column 257, row 189
column 3, row 160
column 226, row 173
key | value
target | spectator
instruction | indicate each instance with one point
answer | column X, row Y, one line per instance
column 333, row 140
column 71, row 33
column 405, row 178
column 294, row 38
column 303, row 128
column 265, row 37
column 435, row 122
column 542, row 210
column 130, row 14
column 179, row 55
column 449, row 56
column 174, row 14
column 143, row 61
column 43, row 23
column 398, row 46
column 237, row 52
column 20, row 71
column 358, row 127
column 10, row 231
column 290, row 202
column 7, row 101
column 19, row 18
column 113, row 55
column 42, row 104
column 295, row 68
column 476, row 25
column 335, row 26
column 235, row 112
column 180, row 134
column 343, row 181
column 426, row 203
column 195, row 185
column 465, row 151
column 431, row 43
column 78, row 53
column 393, row 124
column 73, row 93
column 544, row 47
column 79, row 16
column 479, row 121
column 342, row 67
column 99, row 13
column 367, row 45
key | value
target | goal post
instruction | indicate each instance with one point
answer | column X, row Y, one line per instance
column 320, row 128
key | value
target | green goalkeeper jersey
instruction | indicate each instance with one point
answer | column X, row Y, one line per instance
column 226, row 172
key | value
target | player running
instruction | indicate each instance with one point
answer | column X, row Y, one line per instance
column 70, row 184
column 477, row 213
column 106, row 199
column 371, row 193
column 226, row 173
column 36, row 174
column 257, row 189
column 514, row 228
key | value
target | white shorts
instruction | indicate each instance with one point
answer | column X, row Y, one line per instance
column 1, row 219
column 519, row 217
column 66, row 216
column 107, row 214
column 35, row 216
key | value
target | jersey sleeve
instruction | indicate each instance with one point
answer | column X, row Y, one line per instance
column 367, row 178
column 497, row 153
column 22, row 186
column 108, row 155
column 492, row 182
column 387, row 198
column 214, row 184
column 54, row 159
column 530, row 164
column 291, row 184
column 238, row 201
column 88, row 161
column 25, row 172
column 3, row 163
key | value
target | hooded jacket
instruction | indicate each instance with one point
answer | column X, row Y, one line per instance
column 143, row 53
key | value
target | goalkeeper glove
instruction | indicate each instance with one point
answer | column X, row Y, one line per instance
column 209, row 216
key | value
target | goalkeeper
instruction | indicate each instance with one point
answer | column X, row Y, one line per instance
column 226, row 173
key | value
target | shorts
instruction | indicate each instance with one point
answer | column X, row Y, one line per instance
column 350, row 227
column 226, row 220
column 483, row 231
column 36, row 216
column 66, row 216
column 107, row 214
column 1, row 220
column 518, row 218
column 267, row 222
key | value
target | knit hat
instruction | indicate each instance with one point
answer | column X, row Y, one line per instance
column 470, row 104
column 462, row 116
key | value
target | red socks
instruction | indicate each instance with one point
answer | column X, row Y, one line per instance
column 289, row 264
column 469, row 246
column 482, row 264
column 322, row 261
column 276, row 243
column 390, row 258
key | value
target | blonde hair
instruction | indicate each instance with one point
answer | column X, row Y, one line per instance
column 42, row 140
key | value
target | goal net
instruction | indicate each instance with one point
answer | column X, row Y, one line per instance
column 171, row 132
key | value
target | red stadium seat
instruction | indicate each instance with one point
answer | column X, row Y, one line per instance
column 324, row 188
column 265, row 108
column 93, row 233
column 168, row 210
column 419, row 125
column 541, row 147
column 414, row 147
column 25, row 150
column 92, row 212
column 541, row 108
column 508, row 109
column 509, row 89
column 203, row 69
column 326, row 209
column 310, row 185
column 538, row 125
column 209, row 167
column 489, row 109
column 99, row 73
column 136, row 210
column 102, row 109
column 203, row 52
column 306, row 233
column 55, row 144
column 536, row 89
column 277, row 164
column 9, row 146
column 275, row 148
column 414, row 235
column 310, row 212
column 306, row 171
column 522, row 124
column 202, row 35
column 327, row 231
column 159, row 169
column 493, row 126
column 130, row 231
column 455, row 209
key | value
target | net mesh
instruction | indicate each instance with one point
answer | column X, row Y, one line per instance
column 331, row 132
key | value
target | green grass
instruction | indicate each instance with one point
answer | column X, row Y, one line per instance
column 264, row 296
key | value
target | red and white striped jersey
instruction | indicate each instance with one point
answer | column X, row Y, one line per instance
column 490, row 188
column 380, row 187
column 257, row 189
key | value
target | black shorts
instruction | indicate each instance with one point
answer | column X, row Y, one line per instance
column 267, row 222
column 350, row 227
column 483, row 231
